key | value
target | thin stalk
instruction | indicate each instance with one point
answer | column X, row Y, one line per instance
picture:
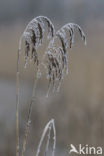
column 54, row 138
column 28, row 119
column 47, row 127
column 48, row 140
column 17, row 106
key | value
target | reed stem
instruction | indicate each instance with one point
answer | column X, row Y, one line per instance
column 29, row 118
column 17, row 106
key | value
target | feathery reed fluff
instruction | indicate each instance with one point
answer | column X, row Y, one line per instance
column 54, row 60
column 56, row 57
column 33, row 37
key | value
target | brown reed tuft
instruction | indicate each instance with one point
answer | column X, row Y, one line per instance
column 57, row 65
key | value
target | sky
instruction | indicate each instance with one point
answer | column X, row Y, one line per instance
column 76, row 10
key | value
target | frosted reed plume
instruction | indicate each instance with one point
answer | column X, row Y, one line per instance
column 48, row 128
column 32, row 38
column 56, row 57
column 55, row 61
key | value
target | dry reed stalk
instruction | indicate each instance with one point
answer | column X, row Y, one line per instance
column 17, row 106
column 29, row 118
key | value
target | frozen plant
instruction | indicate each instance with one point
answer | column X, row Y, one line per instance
column 32, row 37
column 48, row 128
column 55, row 61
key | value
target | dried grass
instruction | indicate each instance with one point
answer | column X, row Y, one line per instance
column 55, row 61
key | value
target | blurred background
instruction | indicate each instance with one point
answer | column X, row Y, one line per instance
column 78, row 109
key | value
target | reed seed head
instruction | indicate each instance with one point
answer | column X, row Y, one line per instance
column 55, row 59
column 57, row 63
column 33, row 36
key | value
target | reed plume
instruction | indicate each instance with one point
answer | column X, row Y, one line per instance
column 56, row 57
column 55, row 61
column 32, row 37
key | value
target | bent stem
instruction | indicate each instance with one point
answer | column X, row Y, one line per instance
column 49, row 125
column 28, row 119
column 17, row 106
